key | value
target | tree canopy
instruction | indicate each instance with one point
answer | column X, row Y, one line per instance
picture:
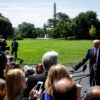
column 6, row 28
column 83, row 26
column 27, row 30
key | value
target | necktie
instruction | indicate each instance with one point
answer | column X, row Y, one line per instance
column 95, row 55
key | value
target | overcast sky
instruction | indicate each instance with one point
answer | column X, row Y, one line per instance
column 38, row 12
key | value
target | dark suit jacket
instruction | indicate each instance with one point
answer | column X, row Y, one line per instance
column 90, row 56
column 14, row 44
column 32, row 81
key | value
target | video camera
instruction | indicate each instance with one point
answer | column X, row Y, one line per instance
column 14, row 63
column 3, row 45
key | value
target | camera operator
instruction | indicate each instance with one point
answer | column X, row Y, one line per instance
column 3, row 63
column 10, row 60
column 3, row 44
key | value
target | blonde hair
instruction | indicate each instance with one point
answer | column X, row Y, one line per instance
column 96, row 43
column 56, row 72
column 13, row 82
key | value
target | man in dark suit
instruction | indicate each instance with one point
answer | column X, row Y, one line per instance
column 49, row 58
column 93, row 55
column 14, row 46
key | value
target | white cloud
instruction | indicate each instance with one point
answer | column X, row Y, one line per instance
column 38, row 12
column 18, row 13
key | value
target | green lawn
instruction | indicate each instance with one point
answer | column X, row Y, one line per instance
column 70, row 51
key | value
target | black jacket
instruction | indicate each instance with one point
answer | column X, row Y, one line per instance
column 90, row 56
column 32, row 81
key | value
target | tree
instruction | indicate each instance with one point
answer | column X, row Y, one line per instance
column 83, row 23
column 61, row 30
column 62, row 16
column 50, row 23
column 27, row 30
column 6, row 28
column 17, row 34
column 61, row 27
column 39, row 32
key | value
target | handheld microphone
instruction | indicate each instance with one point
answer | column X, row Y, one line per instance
column 84, row 67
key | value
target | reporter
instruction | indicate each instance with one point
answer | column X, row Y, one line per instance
column 15, row 83
column 49, row 58
column 37, row 97
column 56, row 72
column 66, row 89
column 2, row 89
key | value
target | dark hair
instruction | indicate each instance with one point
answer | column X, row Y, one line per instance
column 3, row 61
column 39, row 69
column 69, row 93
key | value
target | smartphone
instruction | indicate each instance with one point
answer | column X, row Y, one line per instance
column 38, row 87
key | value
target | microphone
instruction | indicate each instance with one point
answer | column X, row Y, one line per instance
column 71, row 71
column 84, row 67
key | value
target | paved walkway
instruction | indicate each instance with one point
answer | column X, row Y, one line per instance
column 83, row 81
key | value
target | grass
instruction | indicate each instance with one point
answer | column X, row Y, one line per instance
column 70, row 51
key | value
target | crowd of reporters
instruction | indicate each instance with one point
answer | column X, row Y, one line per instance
column 19, row 83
